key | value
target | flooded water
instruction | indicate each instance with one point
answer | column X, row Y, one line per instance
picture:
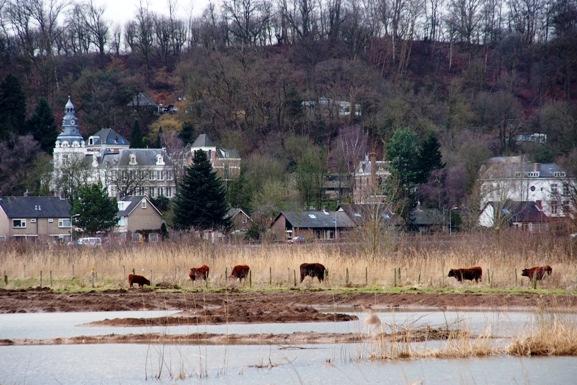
column 265, row 364
column 319, row 364
column 53, row 325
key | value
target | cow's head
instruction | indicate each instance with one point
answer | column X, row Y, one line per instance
column 452, row 273
column 548, row 269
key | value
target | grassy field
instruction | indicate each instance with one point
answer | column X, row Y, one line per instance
column 405, row 264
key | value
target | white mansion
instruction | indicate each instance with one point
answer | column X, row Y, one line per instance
column 107, row 158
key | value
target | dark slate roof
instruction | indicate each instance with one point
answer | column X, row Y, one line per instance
column 318, row 219
column 427, row 217
column 360, row 213
column 134, row 202
column 35, row 207
column 142, row 100
column 203, row 141
column 144, row 157
column 110, row 137
column 224, row 153
column 521, row 211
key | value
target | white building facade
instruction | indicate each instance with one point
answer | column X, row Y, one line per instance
column 107, row 158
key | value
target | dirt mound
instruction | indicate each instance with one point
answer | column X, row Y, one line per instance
column 225, row 314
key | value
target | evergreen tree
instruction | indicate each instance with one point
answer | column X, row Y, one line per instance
column 12, row 108
column 403, row 151
column 429, row 158
column 200, row 200
column 187, row 133
column 136, row 140
column 93, row 210
column 43, row 127
column 158, row 142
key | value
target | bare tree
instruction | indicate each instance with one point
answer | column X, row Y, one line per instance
column 96, row 25
column 464, row 18
column 249, row 19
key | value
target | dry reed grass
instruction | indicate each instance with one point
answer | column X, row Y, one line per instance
column 423, row 262
column 551, row 337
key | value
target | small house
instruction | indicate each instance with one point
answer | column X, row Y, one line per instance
column 311, row 225
column 34, row 217
column 240, row 220
column 139, row 219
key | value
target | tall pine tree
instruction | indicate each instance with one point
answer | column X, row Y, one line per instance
column 200, row 201
column 43, row 127
column 187, row 133
column 136, row 140
column 93, row 210
column 429, row 158
column 12, row 108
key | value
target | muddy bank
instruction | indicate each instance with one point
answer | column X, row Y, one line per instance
column 27, row 301
column 415, row 335
column 257, row 313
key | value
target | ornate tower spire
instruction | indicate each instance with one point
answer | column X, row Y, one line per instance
column 70, row 131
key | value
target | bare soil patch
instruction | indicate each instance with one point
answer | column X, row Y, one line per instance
column 34, row 300
column 256, row 313
column 414, row 335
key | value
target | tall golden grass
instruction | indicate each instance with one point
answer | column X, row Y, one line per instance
column 422, row 261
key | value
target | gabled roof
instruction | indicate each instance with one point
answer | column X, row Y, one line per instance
column 203, row 141
column 520, row 211
column 35, row 207
column 233, row 212
column 110, row 137
column 142, row 100
column 427, row 217
column 317, row 219
column 128, row 204
column 361, row 213
column 518, row 166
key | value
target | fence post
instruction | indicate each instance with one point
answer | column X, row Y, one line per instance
column 489, row 277
column 225, row 274
column 270, row 276
column 5, row 278
column 515, row 277
column 123, row 271
column 399, row 274
column 366, row 276
column 534, row 282
column 40, row 278
column 419, row 279
column 395, row 277
column 50, row 278
column 133, row 271
column 347, row 276
column 150, row 275
column 294, row 278
column 72, row 271
column 93, row 277
column 250, row 278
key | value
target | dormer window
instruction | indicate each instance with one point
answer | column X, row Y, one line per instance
column 132, row 160
column 159, row 160
column 559, row 174
column 533, row 174
column 143, row 204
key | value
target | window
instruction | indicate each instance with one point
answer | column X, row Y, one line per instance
column 566, row 189
column 554, row 207
column 554, row 189
column 169, row 192
column 559, row 174
column 566, row 208
column 18, row 223
column 132, row 161
column 532, row 188
column 143, row 204
column 533, row 174
column 64, row 223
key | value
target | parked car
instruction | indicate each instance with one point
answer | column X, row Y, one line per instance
column 88, row 241
column 297, row 239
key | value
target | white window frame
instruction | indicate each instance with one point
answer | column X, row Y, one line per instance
column 22, row 223
column 143, row 204
column 62, row 225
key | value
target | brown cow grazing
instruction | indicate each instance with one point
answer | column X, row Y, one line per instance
column 199, row 273
column 138, row 279
column 537, row 273
column 471, row 273
column 312, row 270
column 240, row 272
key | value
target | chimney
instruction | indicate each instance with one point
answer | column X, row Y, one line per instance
column 535, row 166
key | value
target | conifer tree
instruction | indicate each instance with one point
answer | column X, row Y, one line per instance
column 187, row 133
column 429, row 158
column 200, row 201
column 43, row 127
column 93, row 210
column 136, row 140
column 12, row 108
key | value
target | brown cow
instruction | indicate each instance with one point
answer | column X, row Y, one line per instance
column 471, row 273
column 138, row 279
column 537, row 272
column 199, row 273
column 240, row 272
column 312, row 270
